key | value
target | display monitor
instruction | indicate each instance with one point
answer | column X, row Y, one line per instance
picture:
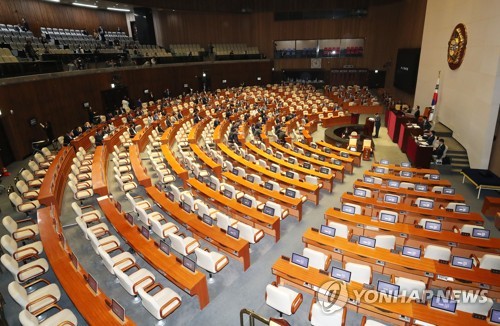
column 495, row 316
column 344, row 154
column 406, row 174
column 296, row 149
column 327, row 230
column 73, row 259
column 462, row 262
column 388, row 218
column 432, row 226
column 464, row 209
column 306, row 165
column 250, row 178
column 227, row 193
column 411, row 252
column 164, row 246
column 235, row 171
column 314, row 145
column 189, row 264
column 212, row 186
column 480, row 233
column 360, row 192
column 268, row 210
column 434, row 177
column 158, row 186
column 422, row 188
column 129, row 218
column 268, row 185
column 308, row 154
column 393, row 199
column 448, row 191
column 406, row 164
column 118, row 310
column 384, row 162
column 388, row 288
column 268, row 151
column 428, row 204
column 234, row 232
column 207, row 219
column 118, row 206
column 337, row 162
column 145, row 232
column 300, row 260
column 368, row 179
column 393, row 184
column 200, row 178
column 366, row 241
column 290, row 193
column 186, row 207
column 327, row 150
column 291, row 160
column 246, row 201
column 322, row 158
column 379, row 170
column 289, row 174
column 279, row 155
column 273, row 168
column 170, row 196
column 324, row 170
column 341, row 274
column 348, row 209
column 445, row 304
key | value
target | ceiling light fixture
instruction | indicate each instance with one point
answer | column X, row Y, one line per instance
column 118, row 9
column 84, row 5
column 53, row 0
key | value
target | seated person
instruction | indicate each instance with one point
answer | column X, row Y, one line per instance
column 439, row 151
column 68, row 137
column 98, row 137
column 431, row 136
column 131, row 130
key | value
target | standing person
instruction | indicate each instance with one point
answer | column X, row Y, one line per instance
column 47, row 127
column 377, row 124
column 417, row 113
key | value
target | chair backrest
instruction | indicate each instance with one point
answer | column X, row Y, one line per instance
column 317, row 259
column 489, row 262
column 106, row 259
column 341, row 230
column 26, row 318
column 241, row 171
column 216, row 181
column 188, row 199
column 22, row 186
column 453, row 205
column 407, row 185
column 222, row 220
column 276, row 186
column 256, row 178
column 312, row 179
column 229, row 165
column 472, row 306
column 377, row 180
column 9, row 244
column 15, row 199
column 231, row 189
column 419, row 199
column 408, row 285
column 9, row 224
column 143, row 216
column 76, row 162
column 467, row 228
column 176, row 192
column 279, row 298
column 33, row 166
column 275, row 166
column 437, row 189
column 437, row 253
column 359, row 273
column 252, row 199
column 72, row 186
column 39, row 158
column 46, row 152
column 176, row 243
column 385, row 241
column 277, row 208
column 203, row 209
column 10, row 264
column 27, row 175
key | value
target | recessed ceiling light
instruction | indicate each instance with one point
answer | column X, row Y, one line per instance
column 118, row 9
column 84, row 5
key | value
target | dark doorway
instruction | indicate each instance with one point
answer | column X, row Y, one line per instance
column 112, row 98
column 6, row 155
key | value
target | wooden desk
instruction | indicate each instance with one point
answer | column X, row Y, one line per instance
column 410, row 213
column 392, row 312
column 167, row 140
column 247, row 215
column 294, row 205
column 100, row 170
column 491, row 206
column 356, row 156
column 193, row 139
column 54, row 182
column 346, row 162
column 327, row 179
column 141, row 139
column 419, row 156
column 309, row 190
column 415, row 180
column 397, row 168
column 337, row 121
column 140, row 172
column 408, row 234
column 71, row 279
column 409, row 195
column 166, row 265
column 238, row 249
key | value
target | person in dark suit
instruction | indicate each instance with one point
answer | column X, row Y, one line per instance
column 98, row 137
column 426, row 125
column 417, row 113
column 377, row 124
column 431, row 138
column 68, row 137
column 439, row 151
column 131, row 130
column 196, row 118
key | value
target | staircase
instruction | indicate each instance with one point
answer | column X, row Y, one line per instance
column 456, row 152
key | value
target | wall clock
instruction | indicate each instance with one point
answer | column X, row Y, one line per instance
column 315, row 63
column 457, row 46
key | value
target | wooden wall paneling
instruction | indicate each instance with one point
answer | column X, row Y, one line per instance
column 43, row 14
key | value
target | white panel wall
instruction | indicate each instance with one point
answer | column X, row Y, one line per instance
column 468, row 103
